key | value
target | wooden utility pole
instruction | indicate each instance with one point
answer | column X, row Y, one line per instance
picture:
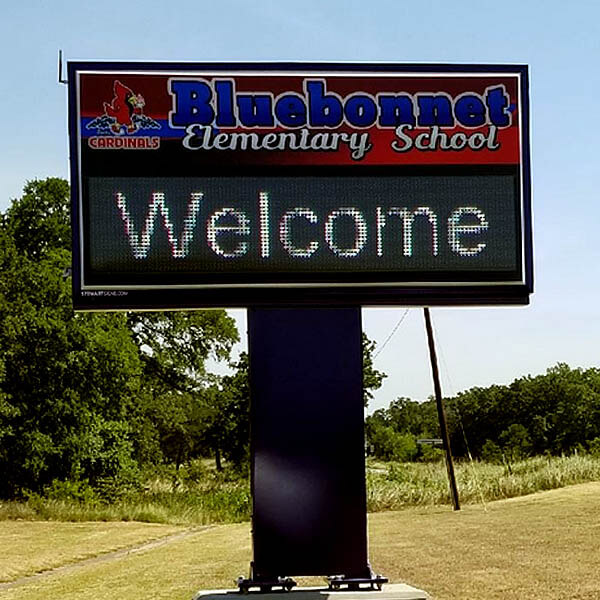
column 441, row 410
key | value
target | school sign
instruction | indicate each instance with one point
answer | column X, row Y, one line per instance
column 198, row 185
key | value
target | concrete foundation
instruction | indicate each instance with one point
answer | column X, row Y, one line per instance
column 391, row 591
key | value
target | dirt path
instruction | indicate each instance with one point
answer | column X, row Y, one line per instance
column 106, row 557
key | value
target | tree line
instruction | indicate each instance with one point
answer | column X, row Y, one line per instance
column 99, row 397
column 554, row 413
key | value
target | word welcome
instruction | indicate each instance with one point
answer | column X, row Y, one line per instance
column 299, row 231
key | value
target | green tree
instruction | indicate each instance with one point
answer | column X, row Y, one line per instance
column 175, row 344
column 594, row 447
column 177, row 402
column 556, row 412
column 392, row 432
column 66, row 381
column 39, row 222
column 89, row 396
column 372, row 378
column 491, row 452
column 229, row 431
column 417, row 418
column 515, row 442
column 388, row 444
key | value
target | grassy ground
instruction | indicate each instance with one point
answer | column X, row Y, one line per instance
column 390, row 486
column 542, row 546
column 197, row 503
column 36, row 546
column 393, row 486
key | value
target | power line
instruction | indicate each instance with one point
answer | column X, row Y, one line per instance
column 391, row 335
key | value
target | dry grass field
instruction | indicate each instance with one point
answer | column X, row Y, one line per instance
column 37, row 546
column 543, row 546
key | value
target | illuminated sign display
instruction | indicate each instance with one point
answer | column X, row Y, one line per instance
column 253, row 184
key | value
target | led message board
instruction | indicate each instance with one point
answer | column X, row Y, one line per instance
column 286, row 184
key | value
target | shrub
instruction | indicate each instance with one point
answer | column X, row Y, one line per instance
column 594, row 447
column 73, row 491
column 389, row 444
column 491, row 452
column 515, row 442
column 431, row 454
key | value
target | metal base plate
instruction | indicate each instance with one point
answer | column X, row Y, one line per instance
column 285, row 584
column 338, row 582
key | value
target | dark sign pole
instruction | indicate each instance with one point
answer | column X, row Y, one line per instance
column 441, row 410
column 307, row 446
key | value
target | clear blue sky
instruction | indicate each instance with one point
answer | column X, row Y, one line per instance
column 560, row 42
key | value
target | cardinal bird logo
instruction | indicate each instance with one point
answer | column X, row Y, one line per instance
column 124, row 114
column 123, row 107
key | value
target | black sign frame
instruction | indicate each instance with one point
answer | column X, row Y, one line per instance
column 349, row 289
